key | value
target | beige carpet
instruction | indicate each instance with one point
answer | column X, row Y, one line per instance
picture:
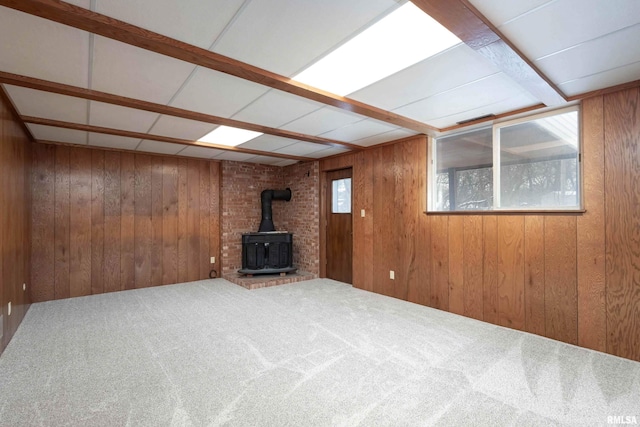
column 312, row 353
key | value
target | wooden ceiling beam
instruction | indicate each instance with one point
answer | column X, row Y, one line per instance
column 160, row 138
column 87, row 20
column 94, row 95
column 466, row 22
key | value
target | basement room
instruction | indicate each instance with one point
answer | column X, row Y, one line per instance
column 319, row 213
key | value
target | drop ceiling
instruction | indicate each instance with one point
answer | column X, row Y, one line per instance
column 577, row 45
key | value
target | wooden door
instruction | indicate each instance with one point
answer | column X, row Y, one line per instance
column 339, row 235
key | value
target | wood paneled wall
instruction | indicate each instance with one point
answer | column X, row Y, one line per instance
column 107, row 221
column 545, row 274
column 15, row 231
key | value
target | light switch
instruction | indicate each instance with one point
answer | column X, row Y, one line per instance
column 362, row 213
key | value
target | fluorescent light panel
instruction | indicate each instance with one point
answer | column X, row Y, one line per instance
column 404, row 37
column 226, row 135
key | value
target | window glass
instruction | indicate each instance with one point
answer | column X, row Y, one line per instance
column 341, row 196
column 466, row 160
column 536, row 166
column 539, row 163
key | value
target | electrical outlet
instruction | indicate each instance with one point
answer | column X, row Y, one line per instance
column 9, row 309
column 213, row 260
column 362, row 213
column 392, row 275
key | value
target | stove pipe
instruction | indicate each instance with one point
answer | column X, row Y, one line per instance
column 266, row 197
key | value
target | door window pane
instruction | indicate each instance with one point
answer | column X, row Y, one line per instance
column 341, row 196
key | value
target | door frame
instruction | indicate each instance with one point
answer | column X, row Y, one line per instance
column 323, row 218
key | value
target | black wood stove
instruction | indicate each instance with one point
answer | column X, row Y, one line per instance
column 268, row 251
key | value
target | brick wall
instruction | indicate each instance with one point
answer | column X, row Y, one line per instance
column 303, row 216
column 242, row 184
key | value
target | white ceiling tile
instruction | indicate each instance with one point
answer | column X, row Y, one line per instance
column 449, row 69
column 50, row 133
column 513, row 103
column 469, row 97
column 30, row 102
column 264, row 160
column 602, row 80
column 133, row 72
column 331, row 151
column 159, row 147
column 359, row 130
column 202, row 152
column 564, row 23
column 39, row 48
column 285, row 162
column 177, row 127
column 608, row 52
column 384, row 137
column 284, row 36
column 195, row 22
column 302, row 148
column 323, row 120
column 82, row 3
column 216, row 93
column 501, row 11
column 112, row 141
column 117, row 117
column 234, row 156
column 275, row 108
column 268, row 143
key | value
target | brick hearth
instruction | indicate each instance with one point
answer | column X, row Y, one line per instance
column 266, row 280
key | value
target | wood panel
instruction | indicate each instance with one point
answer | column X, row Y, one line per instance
column 622, row 222
column 127, row 222
column 97, row 221
column 473, row 267
column 115, row 220
column 420, row 287
column 404, row 225
column 183, row 273
column 170, row 221
column 511, row 311
column 61, row 228
column 214, row 216
column 592, row 314
column 384, row 212
column 440, row 262
column 534, row 273
column 43, row 224
column 205, row 207
column 456, row 264
column 80, row 222
column 490, row 269
column 560, row 295
column 142, row 223
column 15, row 221
column 112, row 220
column 193, row 220
column 358, row 185
column 156, row 220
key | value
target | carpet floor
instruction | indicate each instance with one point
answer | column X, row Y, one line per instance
column 315, row 353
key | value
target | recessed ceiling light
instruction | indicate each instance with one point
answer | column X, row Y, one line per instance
column 403, row 38
column 226, row 135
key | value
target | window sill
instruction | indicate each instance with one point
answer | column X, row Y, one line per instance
column 511, row 212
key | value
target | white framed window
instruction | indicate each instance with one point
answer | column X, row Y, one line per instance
column 528, row 164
